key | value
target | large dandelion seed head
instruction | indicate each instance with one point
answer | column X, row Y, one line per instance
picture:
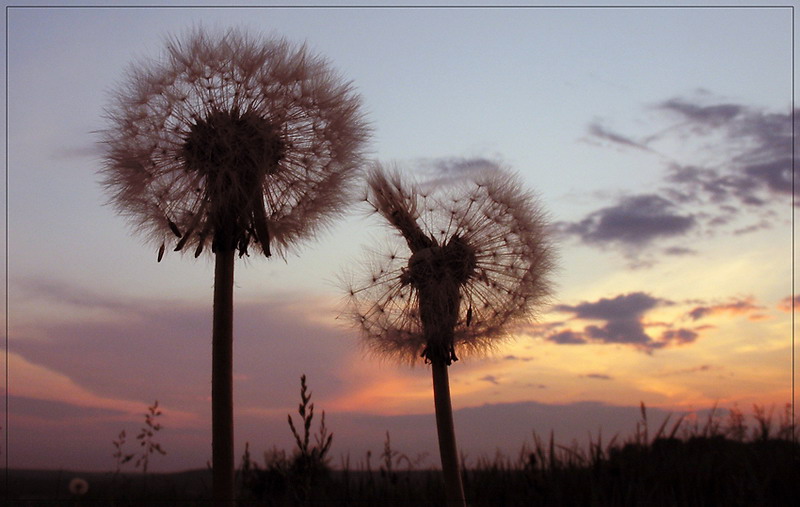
column 471, row 260
column 231, row 140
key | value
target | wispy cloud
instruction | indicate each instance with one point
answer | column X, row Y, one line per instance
column 89, row 151
column 755, row 164
column 678, row 336
column 742, row 168
column 701, row 118
column 164, row 351
column 512, row 357
column 55, row 410
column 598, row 131
column 785, row 305
column 47, row 290
column 688, row 371
column 736, row 306
column 679, row 251
column 451, row 170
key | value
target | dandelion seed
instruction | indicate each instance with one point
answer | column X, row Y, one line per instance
column 174, row 228
column 181, row 243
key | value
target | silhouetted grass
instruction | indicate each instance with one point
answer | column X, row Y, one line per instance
column 719, row 461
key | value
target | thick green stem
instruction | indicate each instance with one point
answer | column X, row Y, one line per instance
column 222, row 381
column 454, row 490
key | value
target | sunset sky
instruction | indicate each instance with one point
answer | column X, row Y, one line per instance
column 658, row 140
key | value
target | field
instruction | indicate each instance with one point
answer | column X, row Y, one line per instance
column 721, row 461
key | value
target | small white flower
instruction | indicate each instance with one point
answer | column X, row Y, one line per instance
column 78, row 486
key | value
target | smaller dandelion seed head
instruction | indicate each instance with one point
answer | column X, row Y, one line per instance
column 465, row 271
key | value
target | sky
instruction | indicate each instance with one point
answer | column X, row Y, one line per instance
column 659, row 140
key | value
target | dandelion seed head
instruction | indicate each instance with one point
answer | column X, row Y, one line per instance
column 476, row 261
column 78, row 486
column 234, row 140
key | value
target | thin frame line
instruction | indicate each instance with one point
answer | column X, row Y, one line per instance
column 374, row 7
column 5, row 419
column 410, row 6
column 794, row 148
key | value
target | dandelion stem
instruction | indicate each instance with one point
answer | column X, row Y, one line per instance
column 222, row 381
column 454, row 491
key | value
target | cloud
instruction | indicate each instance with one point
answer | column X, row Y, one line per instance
column 618, row 331
column 512, row 357
column 55, row 410
column 694, row 184
column 599, row 376
column 775, row 174
column 451, row 170
column 764, row 224
column 567, row 337
column 491, row 379
column 51, row 291
column 735, row 307
column 757, row 145
column 623, row 323
column 626, row 320
column 34, row 381
column 78, row 152
column 741, row 166
column 622, row 316
column 622, row 307
column 634, row 221
column 677, row 336
column 712, row 186
column 694, row 369
column 785, row 304
column 703, row 117
column 161, row 349
column 600, row 132
column 679, row 251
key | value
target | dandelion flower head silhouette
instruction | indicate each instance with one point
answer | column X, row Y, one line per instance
column 232, row 140
column 476, row 259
